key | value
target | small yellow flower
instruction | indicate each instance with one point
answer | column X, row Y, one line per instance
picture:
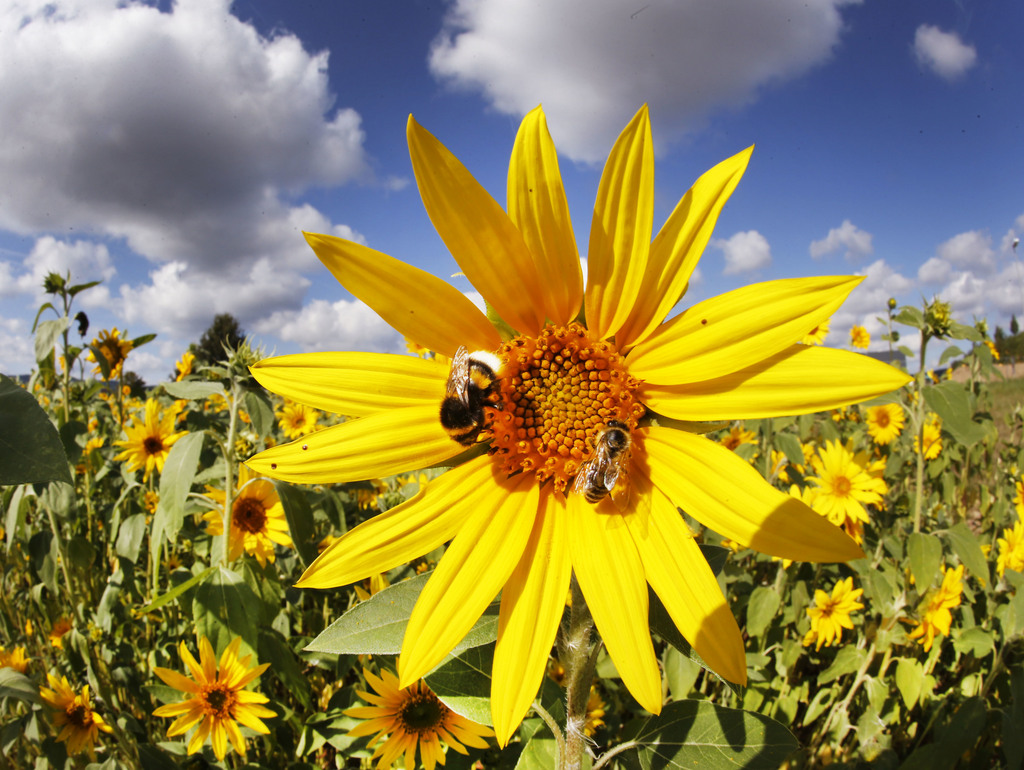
column 936, row 608
column 737, row 436
column 992, row 349
column 14, row 659
column 1018, row 498
column 61, row 627
column 885, row 423
column 412, row 718
column 150, row 441
column 859, row 337
column 595, row 712
column 218, row 698
column 932, row 433
column 114, row 349
column 418, row 350
column 375, row 584
column 846, row 482
column 295, row 419
column 1011, row 549
column 831, row 614
column 817, row 335
column 79, row 724
column 257, row 518
column 183, row 367
column 92, row 444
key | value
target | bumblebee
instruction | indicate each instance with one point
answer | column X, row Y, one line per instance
column 472, row 384
column 600, row 472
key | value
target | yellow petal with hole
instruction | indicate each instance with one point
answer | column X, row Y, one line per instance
column 723, row 492
column 425, row 521
column 611, row 577
column 531, row 607
column 680, row 575
column 477, row 231
column 738, row 329
column 416, row 304
column 800, row 380
column 537, row 206
column 470, row 574
column 678, row 246
column 353, row 384
column 620, row 231
column 371, row 447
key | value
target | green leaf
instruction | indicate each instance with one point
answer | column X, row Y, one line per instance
column 285, row 666
column 463, row 683
column 847, row 660
column 101, row 361
column 80, row 287
column 925, row 554
column 142, row 339
column 690, row 733
column 1013, row 718
column 909, row 315
column 959, row 331
column 909, row 680
column 130, row 536
column 761, row 608
column 377, row 626
column 47, row 334
column 16, row 685
column 967, row 548
column 299, row 515
column 30, row 447
column 790, row 446
column 680, row 672
column 225, row 607
column 951, row 402
column 197, row 389
column 177, row 591
column 540, row 753
column 977, row 641
column 260, row 412
column 175, row 484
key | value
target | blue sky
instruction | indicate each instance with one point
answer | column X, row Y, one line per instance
column 177, row 150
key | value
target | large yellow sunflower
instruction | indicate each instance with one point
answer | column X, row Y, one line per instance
column 571, row 361
column 257, row 518
column 149, row 441
column 79, row 725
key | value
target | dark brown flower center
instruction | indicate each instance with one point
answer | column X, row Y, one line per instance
column 249, row 515
column 219, row 700
column 153, row 445
column 422, row 712
column 79, row 715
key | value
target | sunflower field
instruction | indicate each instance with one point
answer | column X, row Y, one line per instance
column 549, row 551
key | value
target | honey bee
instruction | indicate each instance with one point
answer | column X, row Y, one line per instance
column 472, row 384
column 599, row 473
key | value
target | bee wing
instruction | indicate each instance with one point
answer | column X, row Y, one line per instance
column 611, row 475
column 586, row 476
column 458, row 376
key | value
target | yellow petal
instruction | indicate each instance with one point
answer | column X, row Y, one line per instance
column 620, row 232
column 611, row 577
column 477, row 231
column 425, row 521
column 371, row 447
column 531, row 607
column 470, row 574
column 353, row 384
column 679, row 574
column 738, row 329
column 537, row 206
column 723, row 492
column 799, row 380
column 678, row 246
column 406, row 297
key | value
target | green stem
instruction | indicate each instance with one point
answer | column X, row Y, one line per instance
column 579, row 674
column 229, row 465
column 919, row 419
column 62, row 558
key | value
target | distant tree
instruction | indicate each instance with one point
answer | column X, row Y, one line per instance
column 1014, row 327
column 135, row 384
column 223, row 332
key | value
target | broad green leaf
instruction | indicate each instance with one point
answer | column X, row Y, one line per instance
column 30, row 447
column 967, row 548
column 1013, row 718
column 463, row 683
column 47, row 334
column 81, row 553
column 16, row 685
column 959, row 331
column 698, row 734
column 260, row 411
column 377, row 626
column 789, row 444
column 225, row 607
column 909, row 680
column 909, row 315
column 142, row 339
column 761, row 608
column 847, row 660
column 540, row 753
column 977, row 641
column 130, row 536
column 961, row 733
column 197, row 389
column 680, row 672
column 951, row 402
column 299, row 515
column 175, row 484
column 925, row 554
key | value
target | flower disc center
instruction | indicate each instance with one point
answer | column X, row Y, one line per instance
column 559, row 390
column 219, row 701
column 422, row 713
column 249, row 515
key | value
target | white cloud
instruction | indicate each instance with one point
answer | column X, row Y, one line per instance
column 84, row 260
column 848, row 236
column 184, row 132
column 934, row 271
column 972, row 249
column 341, row 325
column 589, row 61
column 17, row 343
column 943, row 52
column 744, row 252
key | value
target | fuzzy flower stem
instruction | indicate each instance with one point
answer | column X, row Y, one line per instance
column 552, row 726
column 579, row 674
column 229, row 464
column 842, row 706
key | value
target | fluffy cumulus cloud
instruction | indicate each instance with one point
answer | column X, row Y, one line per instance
column 744, row 252
column 183, row 132
column 848, row 238
column 341, row 325
column 83, row 260
column 972, row 249
column 587, row 60
column 944, row 53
